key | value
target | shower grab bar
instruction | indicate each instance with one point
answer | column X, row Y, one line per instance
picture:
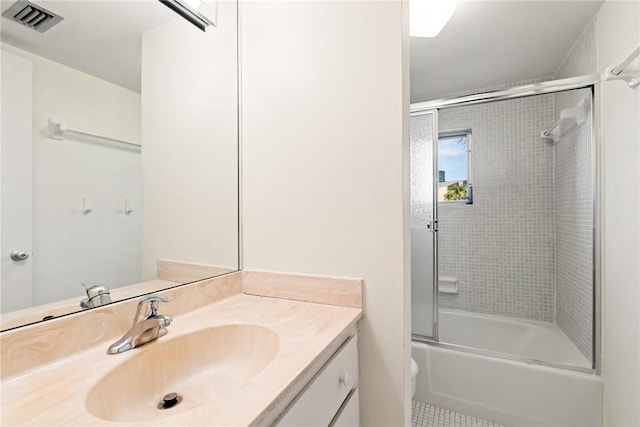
column 615, row 73
column 57, row 131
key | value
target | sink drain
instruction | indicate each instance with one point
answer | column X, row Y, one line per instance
column 169, row 401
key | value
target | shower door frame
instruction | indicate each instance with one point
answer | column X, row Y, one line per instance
column 591, row 82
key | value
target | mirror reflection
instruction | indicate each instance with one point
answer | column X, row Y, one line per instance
column 119, row 174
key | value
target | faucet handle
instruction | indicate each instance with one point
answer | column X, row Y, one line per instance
column 153, row 301
column 153, row 298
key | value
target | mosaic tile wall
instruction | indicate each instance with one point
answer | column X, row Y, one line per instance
column 501, row 248
column 574, row 206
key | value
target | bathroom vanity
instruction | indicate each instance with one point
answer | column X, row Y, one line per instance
column 247, row 348
column 326, row 401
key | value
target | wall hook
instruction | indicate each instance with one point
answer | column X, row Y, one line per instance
column 128, row 206
column 86, row 205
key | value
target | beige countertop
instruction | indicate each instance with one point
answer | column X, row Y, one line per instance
column 308, row 333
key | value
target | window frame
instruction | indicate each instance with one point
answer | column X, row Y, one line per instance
column 466, row 133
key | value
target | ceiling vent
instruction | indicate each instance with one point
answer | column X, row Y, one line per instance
column 32, row 15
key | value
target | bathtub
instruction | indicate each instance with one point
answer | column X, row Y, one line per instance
column 527, row 339
column 514, row 393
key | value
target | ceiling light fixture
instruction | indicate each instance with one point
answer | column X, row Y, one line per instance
column 428, row 17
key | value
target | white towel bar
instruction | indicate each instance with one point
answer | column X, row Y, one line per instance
column 616, row 73
column 58, row 130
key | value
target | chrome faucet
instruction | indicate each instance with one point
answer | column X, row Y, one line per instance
column 147, row 327
column 97, row 295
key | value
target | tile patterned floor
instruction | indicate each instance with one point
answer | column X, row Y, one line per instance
column 425, row 415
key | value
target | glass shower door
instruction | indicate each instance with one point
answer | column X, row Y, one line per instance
column 423, row 134
column 519, row 261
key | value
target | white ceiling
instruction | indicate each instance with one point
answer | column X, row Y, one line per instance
column 101, row 38
column 489, row 43
column 486, row 43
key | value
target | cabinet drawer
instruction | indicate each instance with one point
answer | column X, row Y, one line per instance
column 349, row 415
column 318, row 403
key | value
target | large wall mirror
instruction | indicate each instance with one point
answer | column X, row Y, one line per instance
column 119, row 153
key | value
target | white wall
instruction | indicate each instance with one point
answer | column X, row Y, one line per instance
column 617, row 35
column 70, row 248
column 323, row 106
column 190, row 134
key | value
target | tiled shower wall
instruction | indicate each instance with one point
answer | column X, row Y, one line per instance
column 501, row 248
column 573, row 195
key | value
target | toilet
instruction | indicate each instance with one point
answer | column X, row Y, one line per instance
column 414, row 374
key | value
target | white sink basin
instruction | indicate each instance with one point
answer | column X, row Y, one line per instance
column 201, row 367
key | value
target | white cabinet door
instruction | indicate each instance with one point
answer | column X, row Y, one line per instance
column 350, row 414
